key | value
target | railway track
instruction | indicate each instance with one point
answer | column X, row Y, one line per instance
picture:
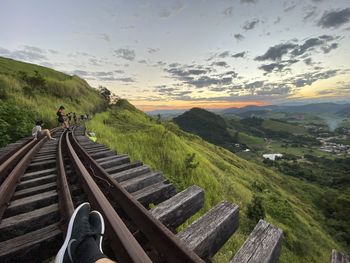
column 42, row 182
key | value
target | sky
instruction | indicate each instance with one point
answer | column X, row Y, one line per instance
column 180, row 54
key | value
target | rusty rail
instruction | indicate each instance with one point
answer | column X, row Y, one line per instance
column 65, row 202
column 125, row 246
column 160, row 236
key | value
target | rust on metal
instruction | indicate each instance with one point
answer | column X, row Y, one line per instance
column 65, row 199
column 125, row 246
column 160, row 236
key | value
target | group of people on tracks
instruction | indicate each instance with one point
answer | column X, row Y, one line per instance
column 63, row 119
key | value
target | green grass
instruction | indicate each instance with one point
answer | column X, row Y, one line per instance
column 289, row 202
column 21, row 104
column 283, row 127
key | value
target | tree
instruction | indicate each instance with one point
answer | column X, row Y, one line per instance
column 109, row 96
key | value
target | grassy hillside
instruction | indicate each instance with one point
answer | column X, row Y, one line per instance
column 279, row 126
column 186, row 159
column 29, row 92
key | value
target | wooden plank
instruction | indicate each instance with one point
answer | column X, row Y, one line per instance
column 142, row 181
column 34, row 190
column 99, row 160
column 36, row 174
column 124, row 167
column 176, row 210
column 23, row 223
column 32, row 246
column 30, row 203
column 37, row 181
column 103, row 154
column 338, row 257
column 118, row 160
column 155, row 193
column 262, row 245
column 41, row 165
column 208, row 234
column 128, row 174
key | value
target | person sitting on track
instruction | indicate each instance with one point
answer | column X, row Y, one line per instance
column 83, row 241
column 38, row 132
column 60, row 114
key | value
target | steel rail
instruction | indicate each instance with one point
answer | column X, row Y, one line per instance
column 9, row 161
column 159, row 235
column 8, row 187
column 65, row 202
column 123, row 243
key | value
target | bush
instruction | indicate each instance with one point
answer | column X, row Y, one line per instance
column 256, row 209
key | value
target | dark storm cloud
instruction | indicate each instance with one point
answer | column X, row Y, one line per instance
column 275, row 53
column 27, row 53
column 239, row 55
column 125, row 53
column 335, row 18
column 238, row 37
column 249, row 25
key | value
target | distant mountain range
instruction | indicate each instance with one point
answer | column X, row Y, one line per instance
column 316, row 108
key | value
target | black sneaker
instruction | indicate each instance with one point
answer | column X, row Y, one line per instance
column 77, row 230
column 97, row 226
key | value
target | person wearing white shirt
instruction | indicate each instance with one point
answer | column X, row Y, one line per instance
column 38, row 132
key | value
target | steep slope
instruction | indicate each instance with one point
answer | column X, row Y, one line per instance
column 289, row 203
column 29, row 92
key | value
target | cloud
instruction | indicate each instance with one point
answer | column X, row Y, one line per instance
column 335, row 18
column 224, row 54
column 220, row 64
column 106, row 37
column 289, row 8
column 249, row 1
column 142, row 61
column 275, row 53
column 26, row 53
column 172, row 10
column 152, row 50
column 228, row 11
column 249, row 25
column 125, row 53
column 277, row 66
column 199, row 76
column 310, row 14
column 238, row 37
column 308, row 79
column 239, row 55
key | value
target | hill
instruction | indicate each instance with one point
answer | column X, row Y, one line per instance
column 29, row 92
column 186, row 159
column 207, row 125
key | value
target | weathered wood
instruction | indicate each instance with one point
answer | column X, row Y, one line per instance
column 130, row 173
column 142, row 181
column 29, row 247
column 36, row 174
column 43, row 158
column 176, row 210
column 102, row 159
column 208, row 234
column 30, row 203
column 102, row 154
column 124, row 167
column 41, row 165
column 37, row 181
column 34, row 190
column 338, row 257
column 262, row 245
column 155, row 193
column 118, row 160
column 23, row 223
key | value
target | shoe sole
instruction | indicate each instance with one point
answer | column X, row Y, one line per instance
column 60, row 254
column 102, row 227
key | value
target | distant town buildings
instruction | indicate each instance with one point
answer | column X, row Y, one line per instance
column 272, row 156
